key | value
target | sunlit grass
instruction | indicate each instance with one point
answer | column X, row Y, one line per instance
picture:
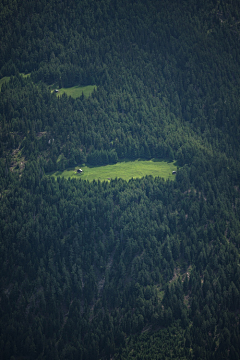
column 77, row 91
column 3, row 80
column 124, row 169
column 25, row 75
column 6, row 79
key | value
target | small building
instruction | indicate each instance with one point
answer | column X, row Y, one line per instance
column 79, row 171
column 56, row 90
column 174, row 173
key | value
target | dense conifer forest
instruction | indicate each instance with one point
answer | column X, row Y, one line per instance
column 138, row 269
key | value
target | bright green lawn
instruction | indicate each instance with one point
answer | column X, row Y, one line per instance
column 124, row 169
column 77, row 91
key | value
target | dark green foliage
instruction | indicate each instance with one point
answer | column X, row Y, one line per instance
column 95, row 254
column 144, row 269
column 102, row 157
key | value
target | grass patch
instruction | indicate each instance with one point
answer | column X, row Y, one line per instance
column 6, row 79
column 124, row 169
column 3, row 80
column 25, row 75
column 77, row 91
column 160, row 295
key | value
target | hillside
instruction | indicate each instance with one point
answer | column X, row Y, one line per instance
column 140, row 269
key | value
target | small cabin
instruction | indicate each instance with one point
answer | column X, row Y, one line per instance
column 79, row 171
column 56, row 90
column 174, row 173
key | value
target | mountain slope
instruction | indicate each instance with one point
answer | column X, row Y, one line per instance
column 141, row 269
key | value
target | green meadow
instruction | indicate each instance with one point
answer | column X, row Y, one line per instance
column 77, row 91
column 124, row 169
column 6, row 79
column 74, row 91
column 3, row 80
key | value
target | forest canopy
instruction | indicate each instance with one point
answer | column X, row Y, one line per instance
column 140, row 269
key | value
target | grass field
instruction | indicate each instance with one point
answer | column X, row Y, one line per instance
column 3, row 80
column 7, row 78
column 76, row 91
column 124, row 169
column 25, row 75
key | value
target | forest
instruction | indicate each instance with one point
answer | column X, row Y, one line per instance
column 140, row 269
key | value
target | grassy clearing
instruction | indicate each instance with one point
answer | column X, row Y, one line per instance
column 76, row 91
column 160, row 294
column 3, row 80
column 25, row 75
column 124, row 169
column 7, row 78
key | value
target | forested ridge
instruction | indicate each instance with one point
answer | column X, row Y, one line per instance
column 144, row 269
